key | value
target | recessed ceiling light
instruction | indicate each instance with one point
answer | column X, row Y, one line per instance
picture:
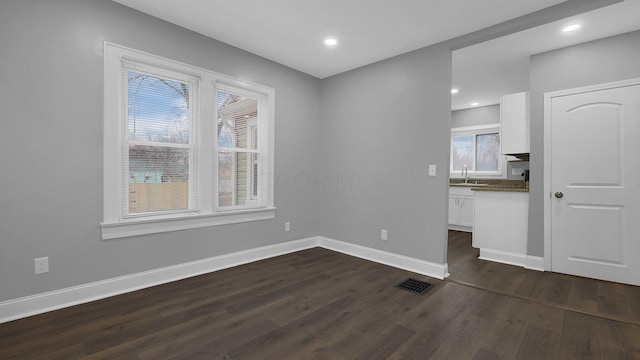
column 475, row 103
column 331, row 41
column 572, row 27
column 454, row 91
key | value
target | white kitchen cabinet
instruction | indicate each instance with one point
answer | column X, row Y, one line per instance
column 461, row 208
column 500, row 226
column 514, row 123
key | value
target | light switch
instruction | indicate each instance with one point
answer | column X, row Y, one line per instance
column 432, row 170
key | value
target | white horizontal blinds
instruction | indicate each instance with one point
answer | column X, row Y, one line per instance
column 238, row 149
column 161, row 167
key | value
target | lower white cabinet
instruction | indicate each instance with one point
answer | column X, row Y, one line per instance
column 460, row 208
column 500, row 226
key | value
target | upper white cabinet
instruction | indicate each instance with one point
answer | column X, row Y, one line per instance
column 514, row 122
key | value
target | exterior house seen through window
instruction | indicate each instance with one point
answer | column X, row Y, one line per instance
column 238, row 175
column 184, row 146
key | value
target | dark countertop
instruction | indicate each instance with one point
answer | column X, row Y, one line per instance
column 492, row 185
column 498, row 188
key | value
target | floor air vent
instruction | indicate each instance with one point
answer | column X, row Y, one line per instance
column 415, row 286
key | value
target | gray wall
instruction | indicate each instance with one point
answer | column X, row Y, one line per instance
column 601, row 61
column 51, row 72
column 482, row 115
column 351, row 151
column 382, row 125
column 367, row 160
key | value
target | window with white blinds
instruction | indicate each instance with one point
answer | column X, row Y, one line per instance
column 160, row 168
column 184, row 147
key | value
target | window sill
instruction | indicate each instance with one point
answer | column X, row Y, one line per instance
column 143, row 226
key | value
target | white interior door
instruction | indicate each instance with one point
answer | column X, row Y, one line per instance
column 595, row 184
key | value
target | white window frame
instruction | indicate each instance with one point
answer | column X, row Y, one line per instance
column 474, row 131
column 115, row 223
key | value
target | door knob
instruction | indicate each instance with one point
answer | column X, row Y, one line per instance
column 559, row 194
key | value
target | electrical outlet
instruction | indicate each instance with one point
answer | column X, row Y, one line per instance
column 432, row 170
column 287, row 226
column 41, row 265
column 383, row 234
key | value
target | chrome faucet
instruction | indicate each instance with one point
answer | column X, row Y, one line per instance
column 465, row 173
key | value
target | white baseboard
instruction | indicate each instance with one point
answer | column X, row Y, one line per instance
column 535, row 263
column 526, row 261
column 503, row 257
column 40, row 303
column 438, row 271
column 58, row 299
column 460, row 228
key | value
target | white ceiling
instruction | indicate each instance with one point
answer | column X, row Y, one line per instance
column 486, row 71
column 291, row 32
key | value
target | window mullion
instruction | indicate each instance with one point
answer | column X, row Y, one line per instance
column 206, row 145
column 475, row 152
column 161, row 144
column 194, row 165
column 239, row 150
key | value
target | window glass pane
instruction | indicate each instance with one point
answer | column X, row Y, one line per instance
column 487, row 152
column 462, row 152
column 235, row 113
column 158, row 109
column 243, row 178
column 226, row 162
column 238, row 177
column 253, row 165
column 253, row 177
column 158, row 178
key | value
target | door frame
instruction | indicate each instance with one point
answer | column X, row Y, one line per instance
column 548, row 152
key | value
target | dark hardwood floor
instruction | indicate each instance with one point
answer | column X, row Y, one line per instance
column 320, row 304
column 601, row 298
